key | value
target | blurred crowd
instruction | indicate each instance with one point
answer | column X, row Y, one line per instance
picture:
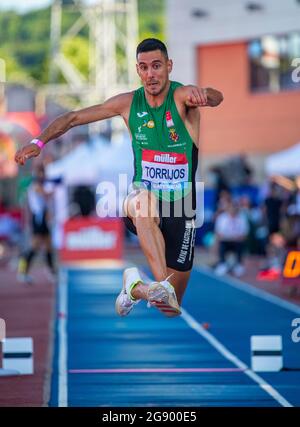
column 268, row 226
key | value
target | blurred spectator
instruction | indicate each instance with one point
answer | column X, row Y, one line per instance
column 275, row 256
column 247, row 171
column 9, row 228
column 38, row 202
column 261, row 231
column 290, row 227
column 294, row 201
column 273, row 209
column 284, row 232
column 258, row 232
column 277, row 251
column 224, row 202
column 237, row 171
column 231, row 230
column 10, row 231
column 218, row 182
column 84, row 198
column 246, row 210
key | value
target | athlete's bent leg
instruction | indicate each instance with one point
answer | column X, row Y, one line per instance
column 142, row 210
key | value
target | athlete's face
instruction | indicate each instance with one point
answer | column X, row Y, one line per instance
column 153, row 69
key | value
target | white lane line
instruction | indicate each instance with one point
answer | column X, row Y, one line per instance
column 232, row 358
column 62, row 340
column 245, row 287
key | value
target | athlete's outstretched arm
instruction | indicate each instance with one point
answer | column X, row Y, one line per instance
column 114, row 106
column 193, row 96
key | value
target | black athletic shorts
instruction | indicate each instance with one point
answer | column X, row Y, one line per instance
column 39, row 225
column 179, row 233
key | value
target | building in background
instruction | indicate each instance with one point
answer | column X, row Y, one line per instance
column 247, row 49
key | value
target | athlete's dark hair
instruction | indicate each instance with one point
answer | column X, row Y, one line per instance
column 148, row 45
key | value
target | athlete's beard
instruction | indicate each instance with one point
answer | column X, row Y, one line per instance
column 159, row 92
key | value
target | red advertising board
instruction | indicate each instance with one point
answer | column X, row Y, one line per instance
column 92, row 238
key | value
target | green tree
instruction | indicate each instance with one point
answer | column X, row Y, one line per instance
column 25, row 38
column 151, row 19
column 14, row 71
column 77, row 51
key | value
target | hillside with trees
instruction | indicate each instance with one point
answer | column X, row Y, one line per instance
column 25, row 39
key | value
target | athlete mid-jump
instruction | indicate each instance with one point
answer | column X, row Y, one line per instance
column 163, row 119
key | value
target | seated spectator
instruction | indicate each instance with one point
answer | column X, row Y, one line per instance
column 290, row 227
column 223, row 203
column 275, row 257
column 231, row 229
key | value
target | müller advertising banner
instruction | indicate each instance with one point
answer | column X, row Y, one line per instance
column 92, row 238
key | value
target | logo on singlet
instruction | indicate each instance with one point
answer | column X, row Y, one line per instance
column 144, row 113
column 139, row 136
column 164, row 158
column 149, row 124
column 169, row 119
column 173, row 135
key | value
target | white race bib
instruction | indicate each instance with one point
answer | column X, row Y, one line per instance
column 164, row 171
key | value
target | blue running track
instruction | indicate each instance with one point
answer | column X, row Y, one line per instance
column 145, row 359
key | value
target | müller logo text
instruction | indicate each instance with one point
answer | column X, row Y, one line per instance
column 164, row 158
column 90, row 238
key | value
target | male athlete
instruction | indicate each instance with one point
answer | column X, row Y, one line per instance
column 163, row 119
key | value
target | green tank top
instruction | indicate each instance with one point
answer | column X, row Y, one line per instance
column 165, row 157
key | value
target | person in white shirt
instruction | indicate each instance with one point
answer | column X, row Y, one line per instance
column 231, row 230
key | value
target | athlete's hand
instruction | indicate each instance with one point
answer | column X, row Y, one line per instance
column 196, row 97
column 26, row 153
